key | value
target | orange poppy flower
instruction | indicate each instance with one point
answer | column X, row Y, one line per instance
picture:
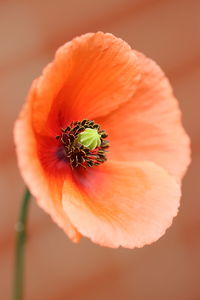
column 100, row 143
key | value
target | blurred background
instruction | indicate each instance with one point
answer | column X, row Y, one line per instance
column 167, row 31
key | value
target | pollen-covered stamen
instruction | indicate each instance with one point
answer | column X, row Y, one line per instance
column 84, row 144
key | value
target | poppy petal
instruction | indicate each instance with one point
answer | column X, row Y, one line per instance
column 149, row 126
column 45, row 189
column 122, row 204
column 89, row 77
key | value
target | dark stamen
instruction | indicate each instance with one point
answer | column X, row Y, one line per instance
column 77, row 154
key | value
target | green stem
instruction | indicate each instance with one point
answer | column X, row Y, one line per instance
column 20, row 242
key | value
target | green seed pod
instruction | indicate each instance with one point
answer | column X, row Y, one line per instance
column 90, row 138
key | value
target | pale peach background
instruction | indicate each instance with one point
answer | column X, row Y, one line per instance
column 30, row 32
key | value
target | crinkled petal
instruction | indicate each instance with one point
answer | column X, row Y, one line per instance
column 46, row 189
column 149, row 126
column 122, row 204
column 89, row 77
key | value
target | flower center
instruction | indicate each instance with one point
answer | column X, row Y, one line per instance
column 84, row 144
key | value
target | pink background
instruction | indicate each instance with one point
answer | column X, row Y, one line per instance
column 166, row 30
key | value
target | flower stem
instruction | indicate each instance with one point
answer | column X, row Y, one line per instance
column 20, row 242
